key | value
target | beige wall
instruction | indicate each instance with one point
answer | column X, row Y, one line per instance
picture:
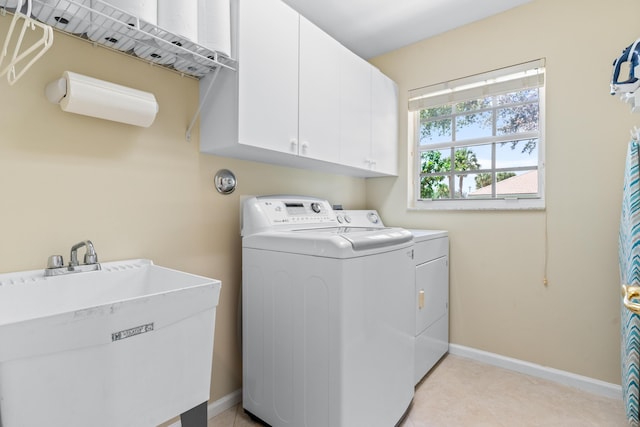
column 148, row 193
column 134, row 192
column 498, row 300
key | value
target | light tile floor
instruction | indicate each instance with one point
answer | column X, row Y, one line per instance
column 460, row 392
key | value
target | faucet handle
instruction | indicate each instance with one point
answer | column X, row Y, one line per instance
column 55, row 261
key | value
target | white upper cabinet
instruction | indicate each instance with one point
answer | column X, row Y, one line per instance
column 319, row 97
column 384, row 123
column 299, row 98
column 355, row 110
column 369, row 117
column 268, row 75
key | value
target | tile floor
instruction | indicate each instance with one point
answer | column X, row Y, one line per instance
column 460, row 392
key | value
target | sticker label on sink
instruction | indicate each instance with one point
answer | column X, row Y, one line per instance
column 127, row 333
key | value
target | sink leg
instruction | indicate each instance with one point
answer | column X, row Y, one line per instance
column 195, row 417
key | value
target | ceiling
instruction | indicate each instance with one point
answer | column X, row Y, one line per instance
column 373, row 27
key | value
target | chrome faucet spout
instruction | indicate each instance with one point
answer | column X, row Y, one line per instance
column 90, row 257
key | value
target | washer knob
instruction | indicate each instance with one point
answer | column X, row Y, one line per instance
column 373, row 217
column 315, row 207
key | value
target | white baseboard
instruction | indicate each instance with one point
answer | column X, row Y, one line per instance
column 224, row 403
column 219, row 406
column 587, row 384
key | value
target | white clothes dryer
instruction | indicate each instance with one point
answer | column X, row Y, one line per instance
column 431, row 292
column 328, row 340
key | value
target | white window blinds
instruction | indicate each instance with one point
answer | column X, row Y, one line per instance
column 528, row 75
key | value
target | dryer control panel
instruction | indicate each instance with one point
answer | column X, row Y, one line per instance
column 266, row 213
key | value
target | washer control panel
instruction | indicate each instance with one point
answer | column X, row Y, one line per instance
column 298, row 211
column 265, row 213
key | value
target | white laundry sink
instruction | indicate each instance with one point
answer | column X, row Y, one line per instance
column 129, row 345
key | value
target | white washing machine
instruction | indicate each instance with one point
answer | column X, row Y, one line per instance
column 327, row 337
column 431, row 293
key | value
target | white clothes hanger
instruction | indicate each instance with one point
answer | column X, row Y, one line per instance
column 43, row 44
column 633, row 99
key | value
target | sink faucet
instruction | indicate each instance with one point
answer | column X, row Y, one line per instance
column 90, row 257
column 55, row 264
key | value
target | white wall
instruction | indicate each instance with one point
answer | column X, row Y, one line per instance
column 498, row 300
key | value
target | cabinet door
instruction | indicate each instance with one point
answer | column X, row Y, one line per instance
column 268, row 75
column 384, row 126
column 355, row 110
column 319, row 120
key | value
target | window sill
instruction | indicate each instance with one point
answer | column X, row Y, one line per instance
column 479, row 205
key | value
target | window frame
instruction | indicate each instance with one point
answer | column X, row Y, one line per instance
column 523, row 202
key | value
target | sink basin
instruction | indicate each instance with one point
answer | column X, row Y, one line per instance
column 129, row 345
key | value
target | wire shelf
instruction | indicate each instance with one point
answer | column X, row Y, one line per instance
column 103, row 24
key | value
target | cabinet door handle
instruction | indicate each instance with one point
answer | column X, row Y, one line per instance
column 421, row 299
column 304, row 147
column 294, row 145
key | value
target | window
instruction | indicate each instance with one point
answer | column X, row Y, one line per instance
column 479, row 141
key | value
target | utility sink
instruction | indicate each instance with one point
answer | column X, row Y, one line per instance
column 128, row 345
